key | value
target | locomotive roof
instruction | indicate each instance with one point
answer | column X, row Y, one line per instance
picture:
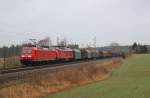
column 29, row 48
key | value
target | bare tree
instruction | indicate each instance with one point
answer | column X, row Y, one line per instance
column 46, row 42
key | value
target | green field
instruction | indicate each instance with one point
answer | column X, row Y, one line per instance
column 131, row 80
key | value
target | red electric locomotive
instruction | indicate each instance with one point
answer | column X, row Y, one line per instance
column 33, row 55
column 64, row 54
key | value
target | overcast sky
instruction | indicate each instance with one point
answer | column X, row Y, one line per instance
column 122, row 21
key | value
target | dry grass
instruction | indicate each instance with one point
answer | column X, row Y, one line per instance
column 10, row 62
column 1, row 61
column 41, row 85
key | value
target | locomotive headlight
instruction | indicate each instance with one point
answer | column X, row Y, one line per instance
column 29, row 56
column 22, row 56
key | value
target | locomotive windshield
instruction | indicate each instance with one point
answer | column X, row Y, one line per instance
column 26, row 51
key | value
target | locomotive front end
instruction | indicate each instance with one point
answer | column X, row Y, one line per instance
column 26, row 56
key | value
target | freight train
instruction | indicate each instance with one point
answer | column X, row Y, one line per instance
column 33, row 55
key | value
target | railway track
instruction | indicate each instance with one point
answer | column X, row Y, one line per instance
column 8, row 76
column 24, row 68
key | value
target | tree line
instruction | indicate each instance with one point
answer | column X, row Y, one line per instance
column 13, row 50
column 138, row 48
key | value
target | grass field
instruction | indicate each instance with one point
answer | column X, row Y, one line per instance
column 131, row 80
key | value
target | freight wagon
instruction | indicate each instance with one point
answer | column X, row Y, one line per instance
column 85, row 54
column 76, row 54
column 94, row 53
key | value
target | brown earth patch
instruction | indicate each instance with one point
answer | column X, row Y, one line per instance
column 41, row 85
